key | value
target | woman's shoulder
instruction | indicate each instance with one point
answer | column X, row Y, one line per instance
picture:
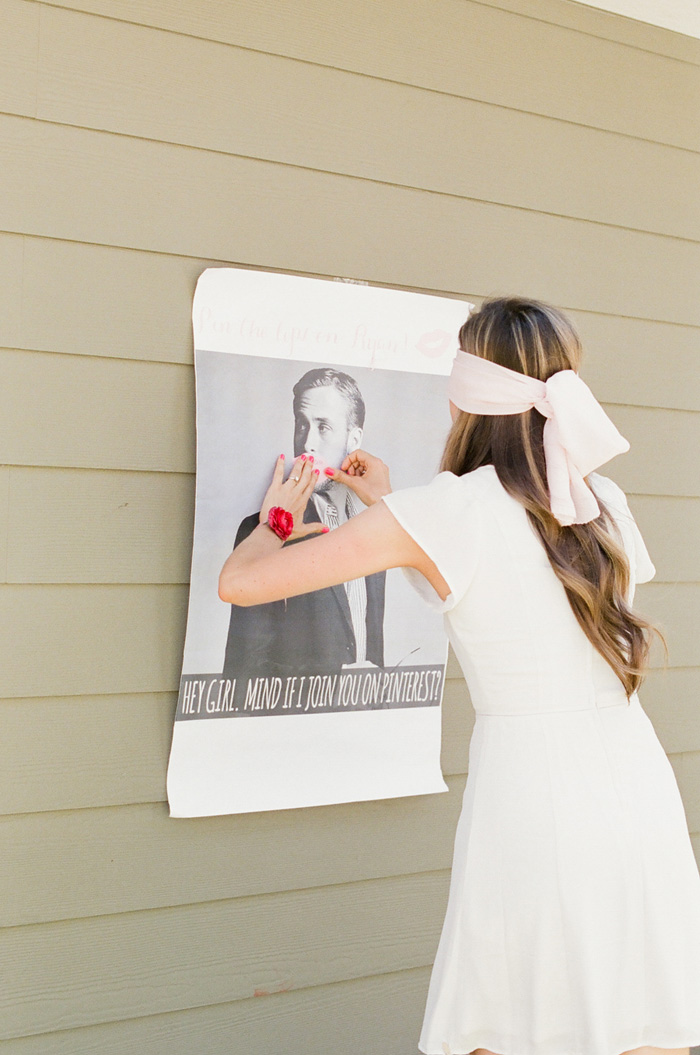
column 632, row 539
column 608, row 490
column 446, row 493
column 603, row 483
column 477, row 480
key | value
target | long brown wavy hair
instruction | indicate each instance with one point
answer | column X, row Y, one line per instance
column 589, row 559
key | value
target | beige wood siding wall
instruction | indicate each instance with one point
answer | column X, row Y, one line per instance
column 529, row 146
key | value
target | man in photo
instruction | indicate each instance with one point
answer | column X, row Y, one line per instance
column 326, row 629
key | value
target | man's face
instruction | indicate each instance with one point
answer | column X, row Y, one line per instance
column 321, row 428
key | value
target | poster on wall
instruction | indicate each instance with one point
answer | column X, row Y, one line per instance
column 334, row 695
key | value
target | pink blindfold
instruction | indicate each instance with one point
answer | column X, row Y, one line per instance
column 578, row 434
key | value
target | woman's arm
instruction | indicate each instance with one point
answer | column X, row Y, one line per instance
column 260, row 570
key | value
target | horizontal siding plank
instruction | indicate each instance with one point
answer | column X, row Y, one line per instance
column 622, row 360
column 656, row 438
column 85, row 640
column 668, row 697
column 521, row 62
column 676, row 608
column 688, row 775
column 11, row 281
column 4, row 518
column 375, row 1016
column 674, row 561
column 95, row 639
column 137, row 857
column 98, row 187
column 598, row 22
column 91, row 526
column 140, row 963
column 77, row 752
column 119, row 77
column 19, row 57
column 77, row 411
column 82, row 411
column 84, row 526
column 98, row 300
column 81, row 525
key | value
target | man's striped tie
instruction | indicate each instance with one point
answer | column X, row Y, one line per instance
column 356, row 589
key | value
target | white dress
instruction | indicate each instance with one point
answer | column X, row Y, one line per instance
column 573, row 919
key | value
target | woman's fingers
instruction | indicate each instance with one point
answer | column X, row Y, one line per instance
column 357, row 463
column 308, row 468
column 299, row 497
column 306, row 475
column 304, row 481
column 342, row 477
column 310, row 482
column 299, row 470
column 293, row 493
column 364, row 474
column 311, row 529
column 278, row 473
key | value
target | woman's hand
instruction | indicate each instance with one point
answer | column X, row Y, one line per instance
column 364, row 474
column 293, row 494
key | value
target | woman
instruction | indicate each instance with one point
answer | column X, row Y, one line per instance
column 573, row 920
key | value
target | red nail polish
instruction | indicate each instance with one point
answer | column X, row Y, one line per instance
column 316, row 472
column 282, row 457
column 311, row 457
column 329, row 472
column 325, row 529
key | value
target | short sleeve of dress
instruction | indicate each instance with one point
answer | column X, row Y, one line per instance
column 444, row 518
column 616, row 498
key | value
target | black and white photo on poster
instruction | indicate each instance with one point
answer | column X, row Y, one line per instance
column 352, row 675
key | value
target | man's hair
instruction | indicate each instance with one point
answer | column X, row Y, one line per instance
column 325, row 376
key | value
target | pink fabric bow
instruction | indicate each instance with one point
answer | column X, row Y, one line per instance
column 578, row 434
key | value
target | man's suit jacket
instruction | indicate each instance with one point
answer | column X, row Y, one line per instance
column 310, row 633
